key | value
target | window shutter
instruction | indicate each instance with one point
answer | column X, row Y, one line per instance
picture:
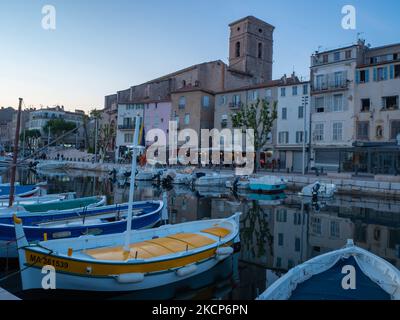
column 391, row 71
column 367, row 75
column 375, row 74
column 385, row 73
column 357, row 76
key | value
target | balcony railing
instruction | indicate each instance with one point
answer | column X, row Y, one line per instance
column 126, row 127
column 330, row 86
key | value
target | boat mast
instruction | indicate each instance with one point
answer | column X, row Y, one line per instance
column 132, row 184
column 15, row 155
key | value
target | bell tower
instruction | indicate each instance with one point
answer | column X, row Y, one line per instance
column 251, row 48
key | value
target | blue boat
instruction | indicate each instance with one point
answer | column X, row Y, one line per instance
column 94, row 221
column 19, row 191
column 350, row 273
column 267, row 184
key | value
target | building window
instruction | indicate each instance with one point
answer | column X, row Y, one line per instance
column 259, row 51
column 338, row 102
column 283, row 92
column 294, row 91
column 379, row 132
column 237, row 49
column 224, row 121
column 394, row 129
column 206, row 101
column 128, row 138
column 338, row 79
column 397, row 71
column 364, row 75
column 283, row 137
column 319, row 132
column 236, row 100
column 319, row 104
column 280, row 239
column 268, row 93
column 337, row 131
column 254, row 95
column 325, row 58
column 182, row 102
column 278, row 262
column 365, row 105
column 284, row 113
column 305, row 89
column 316, row 226
column 335, row 229
column 381, row 74
column 222, row 100
column 320, row 82
column 281, row 215
column 348, row 54
column 297, row 245
column 300, row 112
column 390, row 103
column 336, row 56
column 363, row 130
column 299, row 136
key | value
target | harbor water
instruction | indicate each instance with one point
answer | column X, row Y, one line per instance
column 277, row 232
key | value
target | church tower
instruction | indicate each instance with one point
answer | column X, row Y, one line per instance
column 251, row 48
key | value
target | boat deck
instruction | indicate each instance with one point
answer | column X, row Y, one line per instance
column 175, row 243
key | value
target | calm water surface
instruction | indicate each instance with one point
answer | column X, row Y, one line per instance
column 276, row 234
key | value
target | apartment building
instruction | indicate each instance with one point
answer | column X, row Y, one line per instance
column 293, row 124
column 377, row 111
column 332, row 103
column 39, row 118
column 126, row 127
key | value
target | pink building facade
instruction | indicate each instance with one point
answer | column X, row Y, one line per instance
column 157, row 116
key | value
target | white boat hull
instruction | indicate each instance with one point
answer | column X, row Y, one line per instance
column 32, row 279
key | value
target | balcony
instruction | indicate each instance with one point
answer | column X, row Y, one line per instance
column 331, row 86
column 126, row 126
column 235, row 105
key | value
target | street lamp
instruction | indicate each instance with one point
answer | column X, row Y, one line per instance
column 305, row 103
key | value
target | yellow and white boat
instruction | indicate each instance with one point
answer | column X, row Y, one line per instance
column 155, row 257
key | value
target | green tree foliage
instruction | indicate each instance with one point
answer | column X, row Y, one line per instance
column 58, row 127
column 260, row 117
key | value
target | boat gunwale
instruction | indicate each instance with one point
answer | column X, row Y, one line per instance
column 230, row 238
column 348, row 251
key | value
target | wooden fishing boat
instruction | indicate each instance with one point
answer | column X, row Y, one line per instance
column 64, row 208
column 153, row 257
column 107, row 220
column 350, row 273
column 38, row 199
column 20, row 191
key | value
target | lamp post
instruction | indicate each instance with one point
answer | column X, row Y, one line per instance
column 305, row 103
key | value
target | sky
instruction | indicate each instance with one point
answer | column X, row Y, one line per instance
column 101, row 46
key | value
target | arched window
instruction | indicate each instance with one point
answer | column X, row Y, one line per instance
column 259, row 50
column 237, row 49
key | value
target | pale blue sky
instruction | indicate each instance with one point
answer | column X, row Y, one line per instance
column 101, row 46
